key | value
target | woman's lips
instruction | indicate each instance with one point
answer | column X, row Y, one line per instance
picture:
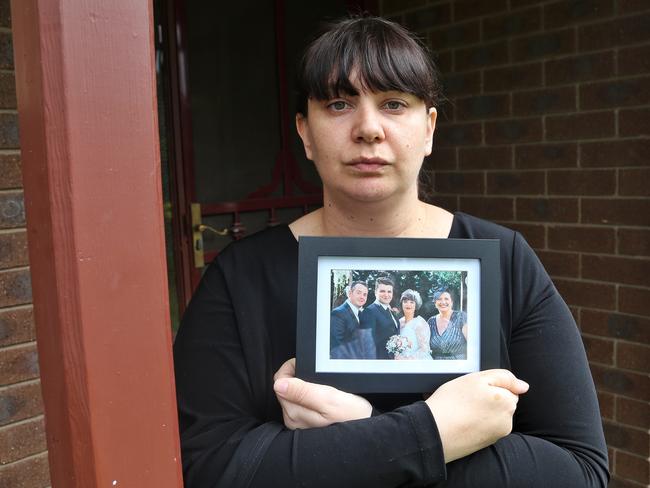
column 367, row 165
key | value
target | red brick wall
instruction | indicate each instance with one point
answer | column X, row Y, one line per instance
column 546, row 131
column 23, row 460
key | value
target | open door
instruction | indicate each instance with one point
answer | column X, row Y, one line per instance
column 236, row 164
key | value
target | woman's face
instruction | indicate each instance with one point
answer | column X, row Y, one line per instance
column 444, row 303
column 408, row 306
column 369, row 147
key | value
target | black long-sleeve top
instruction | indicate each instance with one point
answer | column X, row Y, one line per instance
column 240, row 327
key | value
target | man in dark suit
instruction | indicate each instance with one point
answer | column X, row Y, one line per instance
column 346, row 340
column 379, row 318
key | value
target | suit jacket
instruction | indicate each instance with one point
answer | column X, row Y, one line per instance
column 382, row 324
column 347, row 340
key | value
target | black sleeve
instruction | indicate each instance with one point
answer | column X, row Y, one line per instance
column 228, row 441
column 557, row 438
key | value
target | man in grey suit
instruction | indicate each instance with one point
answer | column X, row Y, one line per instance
column 347, row 341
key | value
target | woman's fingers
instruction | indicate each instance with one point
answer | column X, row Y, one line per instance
column 287, row 370
column 505, row 379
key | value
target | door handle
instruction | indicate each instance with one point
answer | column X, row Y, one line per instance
column 198, row 228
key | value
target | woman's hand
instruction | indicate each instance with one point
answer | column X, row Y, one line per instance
column 306, row 405
column 475, row 410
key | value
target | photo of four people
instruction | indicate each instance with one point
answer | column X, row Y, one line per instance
column 393, row 325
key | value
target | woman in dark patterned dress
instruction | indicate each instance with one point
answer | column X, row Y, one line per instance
column 448, row 329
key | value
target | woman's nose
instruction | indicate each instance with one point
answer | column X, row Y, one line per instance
column 368, row 126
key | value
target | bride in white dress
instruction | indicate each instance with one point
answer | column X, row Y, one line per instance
column 415, row 329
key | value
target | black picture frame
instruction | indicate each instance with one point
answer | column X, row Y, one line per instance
column 477, row 260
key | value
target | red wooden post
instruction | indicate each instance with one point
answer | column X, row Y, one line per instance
column 87, row 106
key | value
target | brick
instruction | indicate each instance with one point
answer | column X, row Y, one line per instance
column 462, row 83
column 32, row 472
column 22, row 440
column 516, row 183
column 513, row 77
column 465, row 9
column 615, row 153
column 440, row 159
column 634, row 182
column 607, row 402
column 5, row 14
column 485, row 157
column 563, row 264
column 18, row 363
column 612, row 94
column 459, row 135
column 632, row 467
column 482, row 107
column 626, row 6
column 513, row 131
column 581, row 239
column 634, row 300
column 634, row 122
column 634, row 242
column 633, row 356
column 633, row 412
column 542, row 156
column 10, row 171
column 615, row 325
column 20, row 401
column 16, row 326
column 444, row 61
column 459, row 182
column 616, row 269
column 13, row 249
column 15, row 288
column 512, row 24
column 562, row 13
column 581, row 182
column 621, row 382
column 481, row 56
column 6, row 51
column 391, row 6
column 9, row 131
column 12, row 210
column 634, row 60
column 429, row 17
column 547, row 209
column 616, row 211
column 543, row 45
column 450, row 37
column 626, row 438
column 580, row 126
column 584, row 294
column 492, row 208
column 544, row 101
column 599, row 350
column 534, row 234
column 7, row 91
column 585, row 67
column 612, row 33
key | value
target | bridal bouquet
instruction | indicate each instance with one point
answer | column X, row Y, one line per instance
column 397, row 344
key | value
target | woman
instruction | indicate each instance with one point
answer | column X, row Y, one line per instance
column 448, row 329
column 415, row 329
column 368, row 92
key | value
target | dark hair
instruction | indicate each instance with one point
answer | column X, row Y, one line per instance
column 384, row 280
column 384, row 55
column 412, row 295
column 440, row 291
column 357, row 283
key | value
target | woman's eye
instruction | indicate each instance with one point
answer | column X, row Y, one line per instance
column 338, row 105
column 394, row 105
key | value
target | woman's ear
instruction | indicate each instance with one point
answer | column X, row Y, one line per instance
column 303, row 131
column 432, row 115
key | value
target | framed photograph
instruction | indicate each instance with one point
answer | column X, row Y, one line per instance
column 396, row 315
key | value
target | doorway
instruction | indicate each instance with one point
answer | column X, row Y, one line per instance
column 232, row 161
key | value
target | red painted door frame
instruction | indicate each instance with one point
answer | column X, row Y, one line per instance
column 91, row 168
